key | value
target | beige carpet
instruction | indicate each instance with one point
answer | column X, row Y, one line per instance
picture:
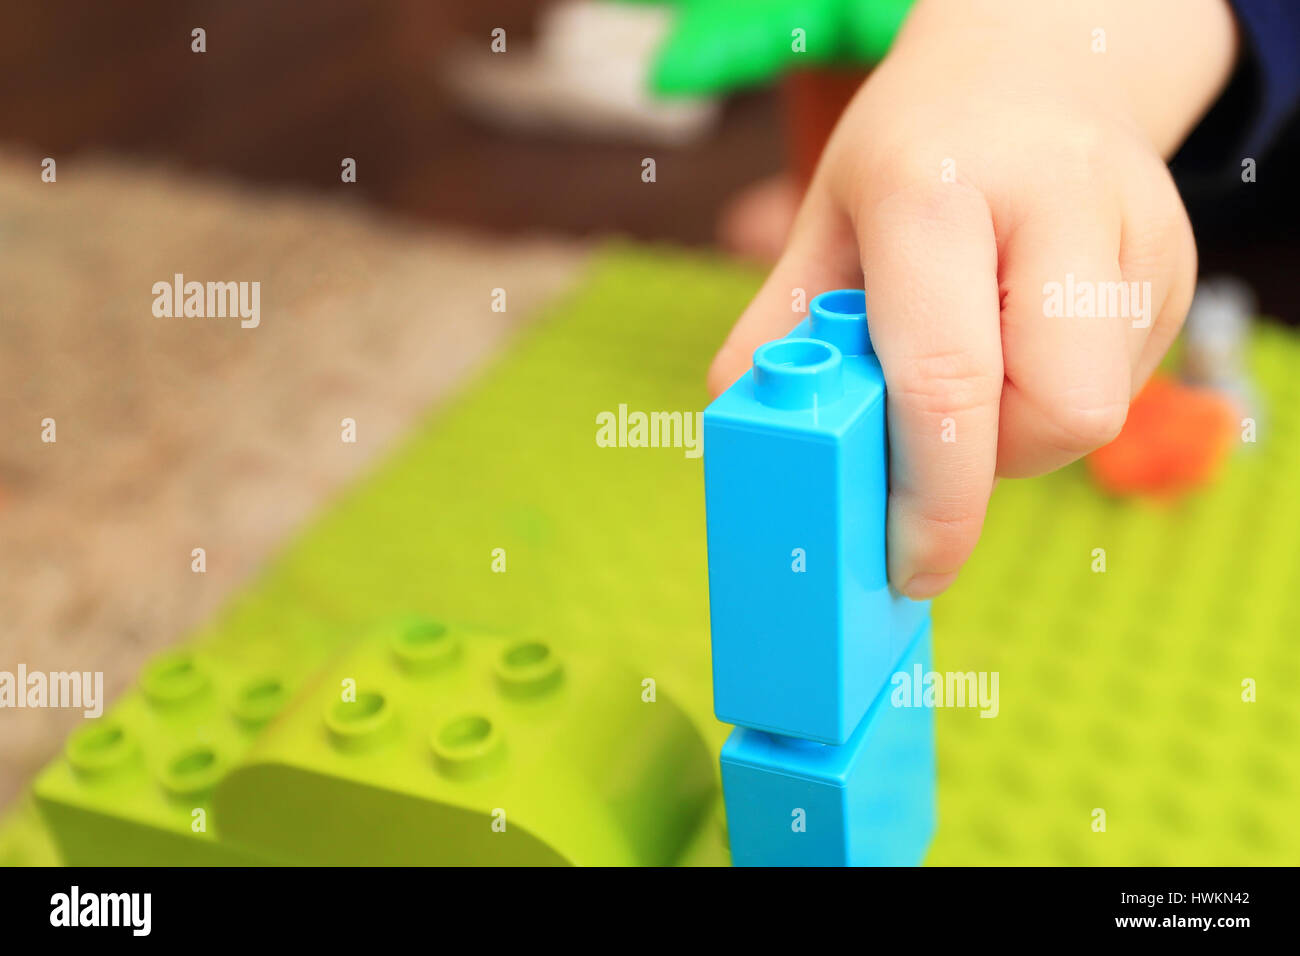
column 180, row 433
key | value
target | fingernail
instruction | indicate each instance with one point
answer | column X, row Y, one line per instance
column 922, row 586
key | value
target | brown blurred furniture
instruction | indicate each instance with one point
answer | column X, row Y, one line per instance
column 285, row 91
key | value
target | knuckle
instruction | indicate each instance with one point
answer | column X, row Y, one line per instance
column 1159, row 246
column 1184, row 267
column 906, row 181
column 944, row 383
column 1085, row 420
column 919, row 194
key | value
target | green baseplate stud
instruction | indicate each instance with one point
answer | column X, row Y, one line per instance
column 1120, row 691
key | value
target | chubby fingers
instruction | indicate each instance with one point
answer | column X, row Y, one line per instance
column 929, row 262
column 1067, row 342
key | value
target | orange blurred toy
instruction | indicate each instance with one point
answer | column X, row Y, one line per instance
column 1175, row 439
column 1178, row 433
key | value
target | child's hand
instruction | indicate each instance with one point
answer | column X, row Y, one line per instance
column 1005, row 150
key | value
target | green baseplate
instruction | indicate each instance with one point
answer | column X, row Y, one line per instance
column 1119, row 690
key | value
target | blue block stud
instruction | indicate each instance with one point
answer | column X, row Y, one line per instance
column 806, row 629
column 867, row 802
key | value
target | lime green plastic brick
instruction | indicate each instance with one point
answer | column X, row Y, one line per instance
column 24, row 838
column 434, row 744
column 135, row 787
column 1119, row 691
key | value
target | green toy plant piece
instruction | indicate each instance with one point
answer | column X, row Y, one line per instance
column 872, row 25
column 719, row 45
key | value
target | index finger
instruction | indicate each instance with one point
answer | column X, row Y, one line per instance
column 929, row 264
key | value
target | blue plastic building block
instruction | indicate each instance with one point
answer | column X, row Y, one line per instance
column 867, row 802
column 806, row 629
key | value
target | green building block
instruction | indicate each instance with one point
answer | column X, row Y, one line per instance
column 434, row 744
column 135, row 787
column 24, row 838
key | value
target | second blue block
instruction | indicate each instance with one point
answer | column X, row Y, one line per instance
column 867, row 802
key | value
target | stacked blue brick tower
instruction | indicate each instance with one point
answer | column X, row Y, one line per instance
column 822, row 769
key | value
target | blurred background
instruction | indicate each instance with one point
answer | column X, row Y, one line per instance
column 471, row 168
column 281, row 92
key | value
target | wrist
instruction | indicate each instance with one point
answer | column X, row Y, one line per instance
column 1157, row 65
